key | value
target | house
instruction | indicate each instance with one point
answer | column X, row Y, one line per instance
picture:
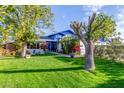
column 51, row 43
column 47, row 43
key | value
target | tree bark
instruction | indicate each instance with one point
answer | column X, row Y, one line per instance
column 24, row 49
column 89, row 56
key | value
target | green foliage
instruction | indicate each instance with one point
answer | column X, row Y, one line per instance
column 28, row 20
column 98, row 26
column 6, row 25
column 113, row 52
column 68, row 43
column 103, row 27
column 65, row 44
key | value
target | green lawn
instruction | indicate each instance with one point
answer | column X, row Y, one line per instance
column 52, row 71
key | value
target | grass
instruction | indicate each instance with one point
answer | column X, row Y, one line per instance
column 51, row 71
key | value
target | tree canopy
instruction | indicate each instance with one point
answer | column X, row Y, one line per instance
column 29, row 19
column 98, row 26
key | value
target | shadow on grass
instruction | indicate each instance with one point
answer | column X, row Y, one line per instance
column 112, row 84
column 40, row 70
column 74, row 61
column 113, row 70
column 110, row 68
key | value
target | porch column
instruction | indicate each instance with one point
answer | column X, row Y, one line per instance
column 29, row 46
column 50, row 46
column 36, row 45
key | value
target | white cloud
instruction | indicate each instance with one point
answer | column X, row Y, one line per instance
column 63, row 17
column 121, row 30
column 120, row 21
column 120, row 14
column 95, row 8
column 89, row 9
column 92, row 8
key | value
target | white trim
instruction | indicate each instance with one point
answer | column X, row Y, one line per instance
column 36, row 51
column 82, row 48
column 40, row 40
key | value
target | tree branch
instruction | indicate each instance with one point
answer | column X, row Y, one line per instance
column 99, row 25
column 91, row 19
column 77, row 29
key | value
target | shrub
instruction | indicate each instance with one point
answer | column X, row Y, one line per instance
column 6, row 52
column 113, row 52
column 70, row 45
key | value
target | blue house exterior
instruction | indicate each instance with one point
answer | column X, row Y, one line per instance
column 53, row 46
column 59, row 35
column 51, row 42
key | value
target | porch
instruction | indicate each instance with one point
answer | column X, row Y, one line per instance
column 42, row 46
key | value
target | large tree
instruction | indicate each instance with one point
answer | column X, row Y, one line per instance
column 98, row 26
column 27, row 20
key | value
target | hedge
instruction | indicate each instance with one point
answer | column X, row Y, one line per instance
column 113, row 52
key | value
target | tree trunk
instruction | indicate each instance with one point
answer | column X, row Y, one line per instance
column 89, row 57
column 24, row 49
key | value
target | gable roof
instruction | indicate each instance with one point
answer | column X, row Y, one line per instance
column 62, row 33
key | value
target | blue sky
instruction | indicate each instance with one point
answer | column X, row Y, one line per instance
column 64, row 14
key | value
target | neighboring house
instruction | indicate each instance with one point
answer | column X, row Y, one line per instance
column 10, row 46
